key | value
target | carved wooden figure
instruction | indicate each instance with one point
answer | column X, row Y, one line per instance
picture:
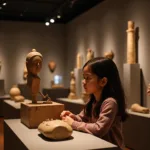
column 131, row 54
column 79, row 61
column 72, row 94
column 34, row 65
column 90, row 54
column 109, row 54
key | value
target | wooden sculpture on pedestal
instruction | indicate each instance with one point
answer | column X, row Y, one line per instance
column 34, row 65
column 78, row 74
column 90, row 54
column 131, row 54
column 109, row 54
column 32, row 114
column 72, row 94
column 79, row 61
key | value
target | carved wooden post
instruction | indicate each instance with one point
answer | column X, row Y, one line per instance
column 131, row 55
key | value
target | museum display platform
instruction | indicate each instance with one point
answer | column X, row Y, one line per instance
column 17, row 136
column 11, row 109
column 55, row 93
column 2, row 98
column 136, row 130
column 74, row 105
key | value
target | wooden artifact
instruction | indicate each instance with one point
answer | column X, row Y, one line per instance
column 55, row 129
column 52, row 66
column 109, row 54
column 90, row 54
column 79, row 61
column 137, row 108
column 34, row 64
column 33, row 114
column 131, row 54
column 72, row 94
column 15, row 94
column 19, row 98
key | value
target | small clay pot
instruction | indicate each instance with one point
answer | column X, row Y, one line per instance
column 14, row 91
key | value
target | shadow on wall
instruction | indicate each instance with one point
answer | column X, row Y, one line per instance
column 137, row 42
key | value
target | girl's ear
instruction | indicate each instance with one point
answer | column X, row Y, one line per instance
column 103, row 81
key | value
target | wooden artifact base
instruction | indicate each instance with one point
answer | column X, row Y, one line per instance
column 33, row 114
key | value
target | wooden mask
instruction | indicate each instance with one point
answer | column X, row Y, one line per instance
column 52, row 66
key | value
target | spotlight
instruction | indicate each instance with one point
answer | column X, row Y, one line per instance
column 52, row 20
column 0, row 8
column 58, row 16
column 47, row 23
column 4, row 4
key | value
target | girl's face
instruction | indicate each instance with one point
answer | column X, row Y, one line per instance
column 91, row 82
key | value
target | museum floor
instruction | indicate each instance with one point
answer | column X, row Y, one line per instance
column 2, row 135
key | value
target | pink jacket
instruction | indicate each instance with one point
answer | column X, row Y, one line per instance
column 107, row 126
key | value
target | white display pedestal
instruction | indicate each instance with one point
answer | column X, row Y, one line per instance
column 78, row 81
column 132, row 83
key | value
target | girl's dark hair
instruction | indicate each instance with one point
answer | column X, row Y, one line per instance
column 104, row 67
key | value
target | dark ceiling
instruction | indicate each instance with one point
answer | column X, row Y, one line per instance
column 42, row 10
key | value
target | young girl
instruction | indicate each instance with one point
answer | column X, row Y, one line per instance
column 105, row 111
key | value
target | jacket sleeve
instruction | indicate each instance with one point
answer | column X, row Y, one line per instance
column 107, row 115
column 81, row 117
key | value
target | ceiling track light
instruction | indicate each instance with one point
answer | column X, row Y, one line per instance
column 52, row 20
column 59, row 12
column 58, row 16
column 47, row 23
column 4, row 4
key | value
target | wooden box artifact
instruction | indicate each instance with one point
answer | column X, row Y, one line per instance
column 33, row 114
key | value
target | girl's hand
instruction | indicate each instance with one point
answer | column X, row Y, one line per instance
column 73, row 116
column 65, row 113
column 68, row 119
